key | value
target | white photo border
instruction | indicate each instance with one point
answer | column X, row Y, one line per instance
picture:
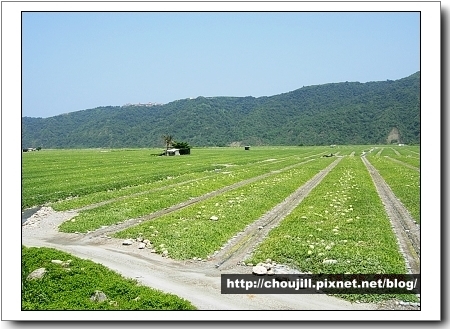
column 430, row 162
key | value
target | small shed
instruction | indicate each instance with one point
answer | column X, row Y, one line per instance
column 173, row 152
column 247, row 148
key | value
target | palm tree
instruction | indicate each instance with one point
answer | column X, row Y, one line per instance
column 168, row 139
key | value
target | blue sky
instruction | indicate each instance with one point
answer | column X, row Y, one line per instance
column 76, row 61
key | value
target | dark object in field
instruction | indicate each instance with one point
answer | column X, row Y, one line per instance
column 32, row 149
column 328, row 155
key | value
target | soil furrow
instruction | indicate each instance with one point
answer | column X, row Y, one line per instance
column 406, row 230
column 395, row 151
column 254, row 234
column 403, row 163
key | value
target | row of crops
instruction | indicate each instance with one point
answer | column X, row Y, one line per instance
column 54, row 175
column 401, row 171
column 342, row 219
column 234, row 210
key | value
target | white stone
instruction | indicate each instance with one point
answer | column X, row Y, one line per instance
column 98, row 296
column 37, row 274
column 268, row 266
column 259, row 270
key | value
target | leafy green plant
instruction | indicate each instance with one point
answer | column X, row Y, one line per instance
column 70, row 287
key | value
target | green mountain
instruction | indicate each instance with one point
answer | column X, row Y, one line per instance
column 334, row 113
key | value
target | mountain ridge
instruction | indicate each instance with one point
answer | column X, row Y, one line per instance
column 332, row 113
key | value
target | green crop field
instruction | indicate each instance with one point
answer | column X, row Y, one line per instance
column 343, row 222
column 111, row 186
column 57, row 175
column 192, row 226
column 342, row 219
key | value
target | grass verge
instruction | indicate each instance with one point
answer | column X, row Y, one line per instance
column 70, row 286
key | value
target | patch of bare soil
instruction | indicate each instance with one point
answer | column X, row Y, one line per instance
column 393, row 135
column 403, row 225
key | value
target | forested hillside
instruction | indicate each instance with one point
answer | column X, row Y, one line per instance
column 335, row 113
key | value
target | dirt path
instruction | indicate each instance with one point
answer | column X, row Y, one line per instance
column 403, row 163
column 245, row 243
column 406, row 230
column 395, row 151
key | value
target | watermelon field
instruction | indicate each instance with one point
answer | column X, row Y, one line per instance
column 316, row 209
